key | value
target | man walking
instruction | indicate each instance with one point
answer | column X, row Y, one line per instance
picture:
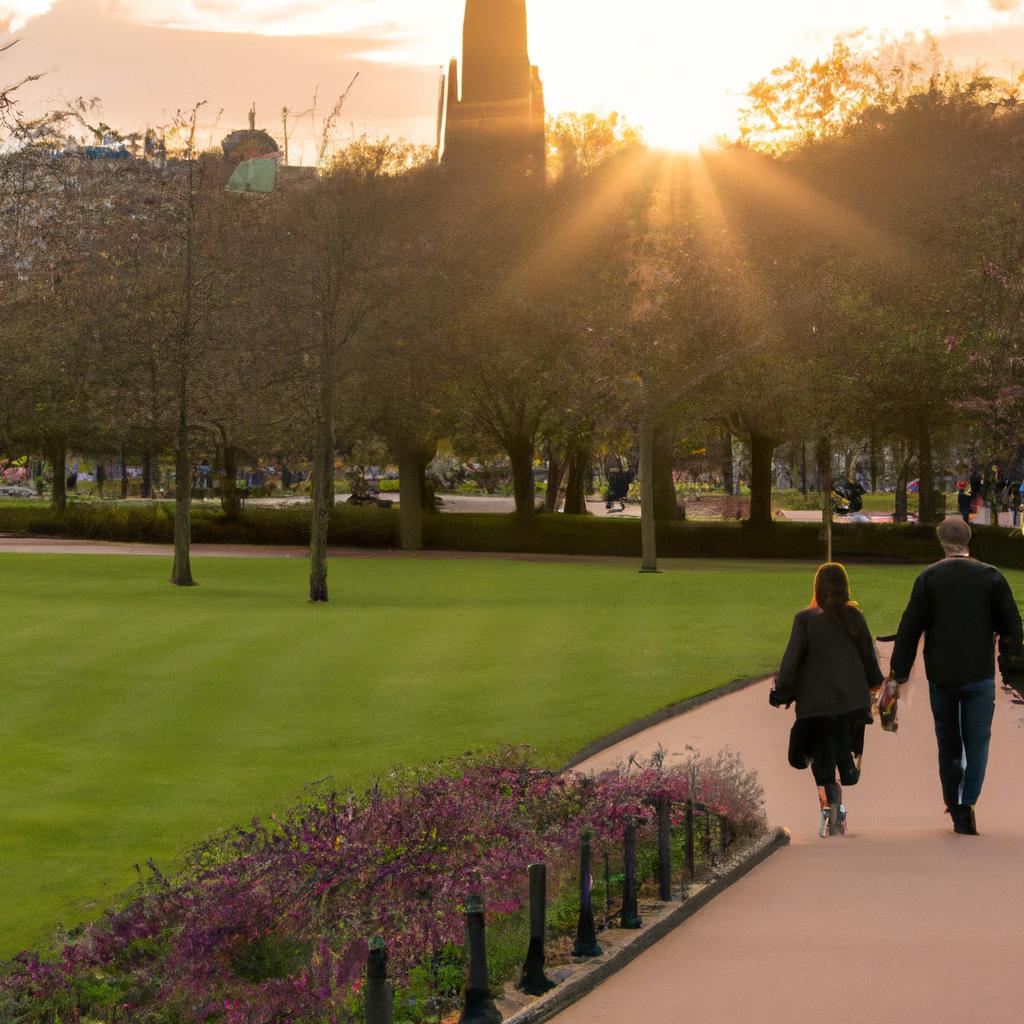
column 960, row 604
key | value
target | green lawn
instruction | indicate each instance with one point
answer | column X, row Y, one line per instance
column 139, row 717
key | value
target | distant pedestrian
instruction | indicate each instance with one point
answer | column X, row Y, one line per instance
column 619, row 480
column 829, row 669
column 963, row 501
column 960, row 605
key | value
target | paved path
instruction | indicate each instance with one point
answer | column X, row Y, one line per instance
column 899, row 921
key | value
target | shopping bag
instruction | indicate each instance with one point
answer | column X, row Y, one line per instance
column 888, row 704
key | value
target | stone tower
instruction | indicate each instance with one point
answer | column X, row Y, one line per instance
column 496, row 122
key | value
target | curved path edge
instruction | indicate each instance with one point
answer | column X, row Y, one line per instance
column 574, row 989
column 640, row 725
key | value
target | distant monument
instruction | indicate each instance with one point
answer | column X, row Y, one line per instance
column 497, row 123
column 248, row 145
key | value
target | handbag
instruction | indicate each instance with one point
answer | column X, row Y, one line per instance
column 888, row 704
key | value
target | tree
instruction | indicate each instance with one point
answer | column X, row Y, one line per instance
column 331, row 274
column 579, row 143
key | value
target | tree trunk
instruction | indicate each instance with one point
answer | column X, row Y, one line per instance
column 147, row 474
column 648, row 528
column 803, row 468
column 823, row 458
column 762, row 450
column 124, row 474
column 556, row 471
column 874, row 466
column 181, row 573
column 521, row 456
column 323, row 501
column 666, row 504
column 727, row 466
column 59, row 496
column 900, row 507
column 576, row 484
column 926, row 476
column 229, row 499
column 412, row 467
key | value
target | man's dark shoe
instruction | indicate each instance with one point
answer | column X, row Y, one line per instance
column 963, row 820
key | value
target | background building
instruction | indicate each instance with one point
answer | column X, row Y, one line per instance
column 496, row 119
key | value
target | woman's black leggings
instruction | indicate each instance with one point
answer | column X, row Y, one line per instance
column 827, row 745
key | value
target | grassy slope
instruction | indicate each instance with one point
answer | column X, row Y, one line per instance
column 138, row 718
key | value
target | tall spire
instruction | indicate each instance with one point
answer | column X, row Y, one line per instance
column 498, row 123
column 495, row 61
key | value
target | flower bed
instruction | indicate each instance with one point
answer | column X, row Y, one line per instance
column 272, row 923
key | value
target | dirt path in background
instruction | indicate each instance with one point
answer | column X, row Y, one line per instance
column 61, row 546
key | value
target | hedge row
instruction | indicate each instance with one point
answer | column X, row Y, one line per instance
column 544, row 534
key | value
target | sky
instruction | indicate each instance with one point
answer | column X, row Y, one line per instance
column 678, row 68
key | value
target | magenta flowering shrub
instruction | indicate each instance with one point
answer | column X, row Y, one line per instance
column 271, row 924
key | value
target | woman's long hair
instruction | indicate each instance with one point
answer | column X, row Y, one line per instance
column 832, row 596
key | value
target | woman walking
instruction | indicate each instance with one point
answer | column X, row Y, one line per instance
column 829, row 669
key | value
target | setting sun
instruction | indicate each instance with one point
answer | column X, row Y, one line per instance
column 677, row 71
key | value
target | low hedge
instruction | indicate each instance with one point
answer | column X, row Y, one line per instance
column 154, row 524
column 371, row 527
column 592, row 535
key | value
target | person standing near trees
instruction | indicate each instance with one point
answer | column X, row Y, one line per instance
column 960, row 605
column 963, row 501
column 830, row 668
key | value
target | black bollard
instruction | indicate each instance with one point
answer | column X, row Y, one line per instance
column 630, row 912
column 534, row 982
column 380, row 999
column 664, row 850
column 478, row 1007
column 607, row 890
column 586, row 933
column 688, row 835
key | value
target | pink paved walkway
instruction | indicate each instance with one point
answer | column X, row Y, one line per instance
column 900, row 921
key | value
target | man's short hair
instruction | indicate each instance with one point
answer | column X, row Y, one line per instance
column 954, row 533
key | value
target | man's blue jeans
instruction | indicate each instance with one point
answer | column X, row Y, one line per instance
column 963, row 729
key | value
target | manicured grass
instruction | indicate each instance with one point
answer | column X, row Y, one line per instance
column 139, row 717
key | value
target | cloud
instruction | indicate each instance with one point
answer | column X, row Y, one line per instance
column 15, row 14
column 1004, row 5
column 399, row 19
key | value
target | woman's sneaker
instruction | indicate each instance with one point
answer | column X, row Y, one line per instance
column 838, row 823
column 824, row 821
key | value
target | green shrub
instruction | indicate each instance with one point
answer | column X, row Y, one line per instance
column 370, row 527
column 270, row 956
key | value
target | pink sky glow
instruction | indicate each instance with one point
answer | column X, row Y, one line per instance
column 678, row 69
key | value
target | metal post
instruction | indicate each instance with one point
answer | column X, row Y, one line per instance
column 380, row 1000
column 534, row 981
column 688, row 838
column 478, row 1007
column 607, row 890
column 664, row 850
column 630, row 913
column 586, row 934
column 709, row 846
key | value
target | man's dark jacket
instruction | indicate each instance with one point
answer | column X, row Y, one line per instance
column 960, row 605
